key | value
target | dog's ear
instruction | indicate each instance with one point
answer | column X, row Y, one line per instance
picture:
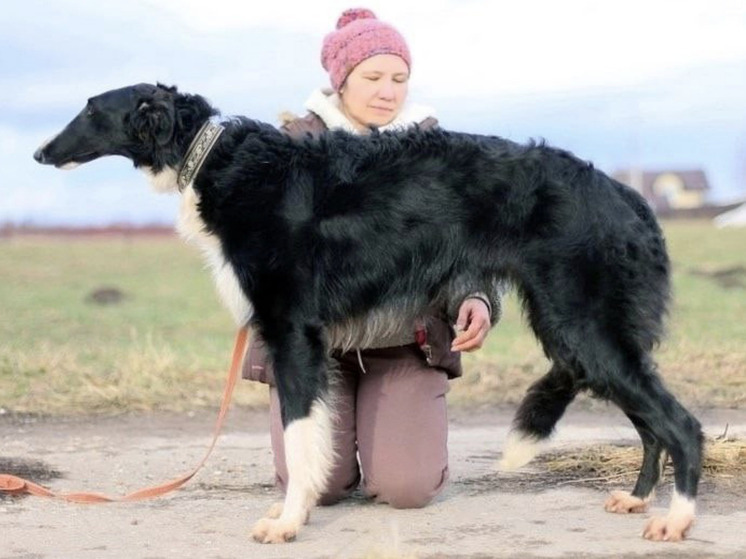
column 154, row 120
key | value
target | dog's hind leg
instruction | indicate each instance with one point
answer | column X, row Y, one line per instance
column 302, row 387
column 639, row 392
column 541, row 409
column 624, row 502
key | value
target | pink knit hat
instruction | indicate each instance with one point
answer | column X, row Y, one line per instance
column 359, row 36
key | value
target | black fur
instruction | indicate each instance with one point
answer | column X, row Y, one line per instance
column 318, row 231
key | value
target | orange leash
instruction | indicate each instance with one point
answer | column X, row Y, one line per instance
column 17, row 486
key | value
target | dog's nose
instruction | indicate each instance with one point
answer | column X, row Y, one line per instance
column 39, row 153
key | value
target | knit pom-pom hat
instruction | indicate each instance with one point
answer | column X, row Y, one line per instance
column 359, row 35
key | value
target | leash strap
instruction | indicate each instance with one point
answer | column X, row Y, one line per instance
column 18, row 486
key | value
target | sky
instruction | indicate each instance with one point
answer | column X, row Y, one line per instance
column 656, row 84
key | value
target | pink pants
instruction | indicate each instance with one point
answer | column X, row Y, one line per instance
column 393, row 415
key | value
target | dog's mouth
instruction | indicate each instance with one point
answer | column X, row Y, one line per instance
column 74, row 161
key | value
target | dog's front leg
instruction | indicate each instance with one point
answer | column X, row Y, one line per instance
column 309, row 453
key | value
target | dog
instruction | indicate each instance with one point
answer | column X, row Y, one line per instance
column 305, row 235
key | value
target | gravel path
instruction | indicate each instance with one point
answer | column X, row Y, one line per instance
column 481, row 514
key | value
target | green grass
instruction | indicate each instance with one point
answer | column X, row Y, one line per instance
column 167, row 344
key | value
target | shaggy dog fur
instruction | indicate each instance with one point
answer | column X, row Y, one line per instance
column 306, row 235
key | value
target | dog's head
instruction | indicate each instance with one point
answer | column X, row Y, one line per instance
column 148, row 124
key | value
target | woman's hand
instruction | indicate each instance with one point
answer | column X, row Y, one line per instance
column 472, row 325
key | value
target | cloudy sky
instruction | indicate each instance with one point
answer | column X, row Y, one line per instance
column 651, row 83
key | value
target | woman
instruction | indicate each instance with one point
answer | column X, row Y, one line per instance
column 390, row 399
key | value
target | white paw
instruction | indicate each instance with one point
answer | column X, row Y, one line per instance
column 274, row 530
column 675, row 525
column 622, row 502
column 670, row 528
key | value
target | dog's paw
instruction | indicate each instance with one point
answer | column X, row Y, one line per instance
column 519, row 450
column 274, row 530
column 622, row 502
column 671, row 528
column 675, row 525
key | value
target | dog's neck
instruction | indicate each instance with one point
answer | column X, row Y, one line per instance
column 198, row 151
column 178, row 175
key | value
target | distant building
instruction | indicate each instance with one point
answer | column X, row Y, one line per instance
column 668, row 192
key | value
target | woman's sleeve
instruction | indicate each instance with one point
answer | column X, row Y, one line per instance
column 491, row 292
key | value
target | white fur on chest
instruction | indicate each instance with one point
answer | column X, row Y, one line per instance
column 191, row 228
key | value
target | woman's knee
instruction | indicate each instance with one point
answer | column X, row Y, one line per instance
column 408, row 492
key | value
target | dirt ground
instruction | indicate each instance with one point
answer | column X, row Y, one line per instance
column 482, row 514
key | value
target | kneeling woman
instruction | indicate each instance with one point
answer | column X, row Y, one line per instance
column 390, row 399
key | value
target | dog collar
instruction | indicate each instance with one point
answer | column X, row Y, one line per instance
column 198, row 151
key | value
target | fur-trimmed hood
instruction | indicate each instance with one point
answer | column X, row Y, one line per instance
column 327, row 105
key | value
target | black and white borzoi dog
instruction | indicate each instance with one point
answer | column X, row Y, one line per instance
column 306, row 235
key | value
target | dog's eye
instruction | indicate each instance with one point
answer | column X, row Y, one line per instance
column 89, row 111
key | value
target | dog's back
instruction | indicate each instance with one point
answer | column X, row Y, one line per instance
column 491, row 208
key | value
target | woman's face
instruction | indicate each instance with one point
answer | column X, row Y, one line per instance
column 375, row 90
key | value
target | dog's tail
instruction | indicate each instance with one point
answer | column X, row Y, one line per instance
column 540, row 410
column 646, row 274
